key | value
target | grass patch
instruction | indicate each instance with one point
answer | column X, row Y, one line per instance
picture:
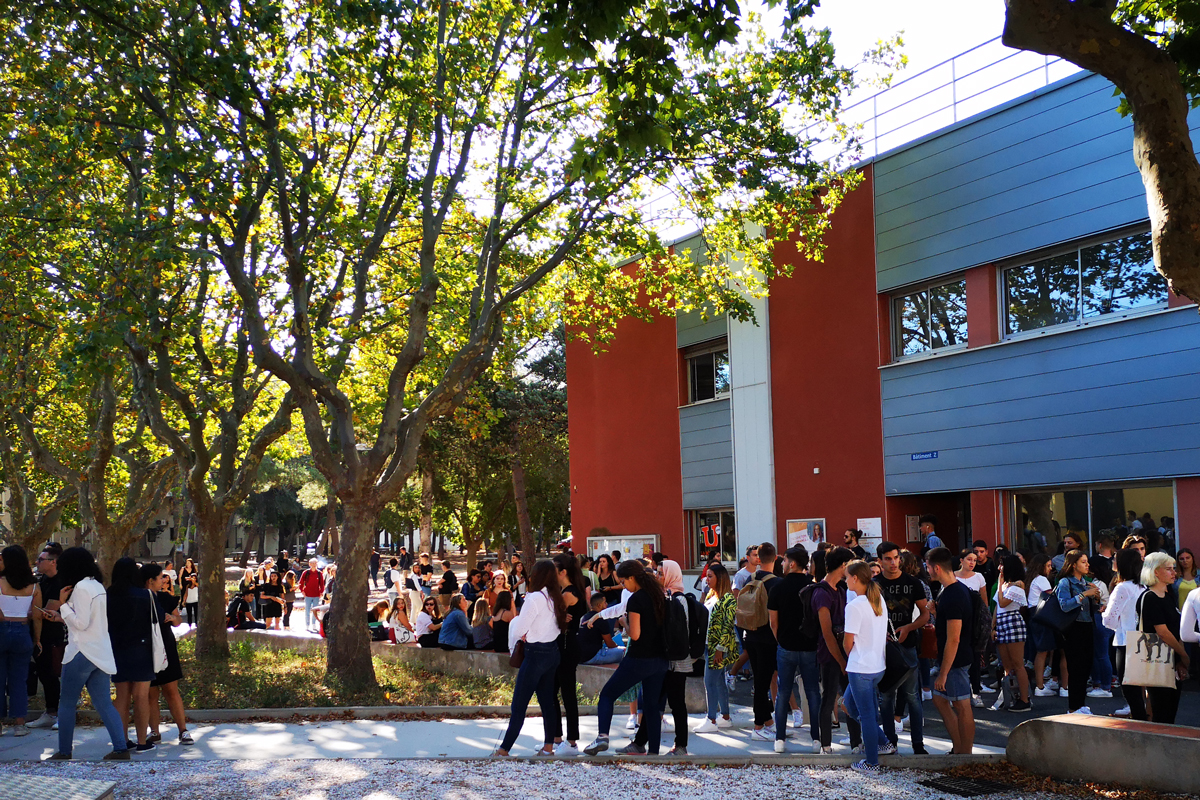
column 267, row 678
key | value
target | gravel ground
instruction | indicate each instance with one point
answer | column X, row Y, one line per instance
column 480, row 780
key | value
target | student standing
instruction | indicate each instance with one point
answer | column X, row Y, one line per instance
column 761, row 645
column 952, row 687
column 131, row 613
column 796, row 653
column 542, row 620
column 575, row 593
column 1076, row 592
column 158, row 583
column 1010, row 628
column 675, row 680
column 19, row 595
column 721, row 645
column 865, row 643
column 1161, row 616
column 312, row 586
column 908, row 611
column 1120, row 616
column 47, row 663
column 645, row 659
column 829, row 604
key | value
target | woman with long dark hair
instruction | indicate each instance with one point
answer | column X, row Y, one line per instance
column 645, row 658
column 289, row 598
column 271, row 598
column 131, row 613
column 88, row 660
column 542, row 620
column 1120, row 616
column 1009, row 629
column 20, row 608
column 429, row 622
column 576, row 594
column 1076, row 592
column 1040, row 639
column 502, row 616
column 158, row 583
column 607, row 580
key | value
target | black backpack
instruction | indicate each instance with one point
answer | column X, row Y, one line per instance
column 810, row 623
column 387, row 578
column 697, row 626
column 677, row 629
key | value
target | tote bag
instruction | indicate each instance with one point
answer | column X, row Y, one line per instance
column 1148, row 660
column 157, row 648
column 1050, row 613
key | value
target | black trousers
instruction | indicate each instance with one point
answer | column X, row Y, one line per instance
column 1078, row 649
column 674, row 692
column 193, row 611
column 833, row 683
column 46, row 667
column 567, row 687
column 762, row 662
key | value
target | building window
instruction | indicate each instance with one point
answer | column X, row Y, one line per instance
column 708, row 372
column 931, row 319
column 1083, row 284
column 713, row 531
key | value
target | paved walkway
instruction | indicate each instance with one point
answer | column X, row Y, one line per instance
column 447, row 738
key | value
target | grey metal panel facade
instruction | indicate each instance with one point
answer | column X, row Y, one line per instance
column 691, row 328
column 706, row 449
column 1053, row 168
column 1115, row 401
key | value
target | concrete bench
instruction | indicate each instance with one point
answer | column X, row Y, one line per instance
column 1109, row 750
column 45, row 787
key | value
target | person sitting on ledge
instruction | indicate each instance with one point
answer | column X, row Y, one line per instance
column 239, row 616
column 455, row 633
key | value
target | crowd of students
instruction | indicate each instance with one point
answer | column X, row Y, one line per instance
column 65, row 629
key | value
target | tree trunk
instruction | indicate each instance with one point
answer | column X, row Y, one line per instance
column 212, row 640
column 348, row 646
column 528, row 553
column 471, row 542
column 426, row 511
column 331, row 528
column 249, row 540
column 108, row 550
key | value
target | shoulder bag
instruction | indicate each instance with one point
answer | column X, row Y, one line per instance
column 1050, row 613
column 896, row 666
column 157, row 648
column 1149, row 661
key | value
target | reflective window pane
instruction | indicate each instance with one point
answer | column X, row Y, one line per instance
column 721, row 373
column 703, row 377
column 948, row 314
column 912, row 312
column 1120, row 275
column 1042, row 294
column 714, row 532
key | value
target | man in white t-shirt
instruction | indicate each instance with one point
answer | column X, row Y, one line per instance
column 746, row 573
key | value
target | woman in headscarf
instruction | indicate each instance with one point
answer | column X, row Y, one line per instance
column 675, row 682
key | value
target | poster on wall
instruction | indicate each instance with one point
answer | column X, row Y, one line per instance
column 806, row 532
column 634, row 546
column 912, row 528
column 872, row 534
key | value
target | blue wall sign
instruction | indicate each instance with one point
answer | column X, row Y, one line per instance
column 924, row 456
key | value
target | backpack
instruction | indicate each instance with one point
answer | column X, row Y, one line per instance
column 697, row 618
column 810, row 623
column 751, row 613
column 387, row 578
column 676, row 630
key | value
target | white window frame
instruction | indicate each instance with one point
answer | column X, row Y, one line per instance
column 712, row 346
column 897, row 320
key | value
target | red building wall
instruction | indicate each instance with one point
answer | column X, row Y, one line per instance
column 825, row 396
column 624, row 431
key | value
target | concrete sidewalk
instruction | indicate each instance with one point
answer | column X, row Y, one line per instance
column 385, row 739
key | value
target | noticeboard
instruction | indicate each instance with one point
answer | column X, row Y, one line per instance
column 639, row 545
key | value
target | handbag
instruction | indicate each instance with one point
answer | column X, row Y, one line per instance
column 1050, row 613
column 517, row 657
column 896, row 666
column 1148, row 660
column 928, row 646
column 158, row 650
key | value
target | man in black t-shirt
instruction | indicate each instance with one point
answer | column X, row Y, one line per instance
column 796, row 652
column 952, row 687
column 908, row 611
column 985, row 565
column 596, row 643
column 47, row 663
column 850, row 539
column 761, row 646
column 240, row 616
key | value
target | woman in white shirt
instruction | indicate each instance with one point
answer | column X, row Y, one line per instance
column 542, row 619
column 1120, row 616
column 88, row 660
column 865, row 643
column 1010, row 627
column 1041, row 638
column 429, row 622
column 19, row 597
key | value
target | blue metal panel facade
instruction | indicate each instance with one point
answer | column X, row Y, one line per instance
column 1107, row 402
column 1051, row 168
column 706, row 448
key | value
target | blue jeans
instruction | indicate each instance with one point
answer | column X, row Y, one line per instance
column 810, row 676
column 607, row 655
column 862, row 703
column 75, row 675
column 787, row 663
column 649, row 672
column 1102, row 669
column 16, row 650
column 910, row 690
column 715, row 690
column 309, row 604
column 536, row 676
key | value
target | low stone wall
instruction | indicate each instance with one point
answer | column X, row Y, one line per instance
column 455, row 662
column 1109, row 750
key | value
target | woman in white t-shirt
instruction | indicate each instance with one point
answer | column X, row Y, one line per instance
column 865, row 643
column 1009, row 630
column 1120, row 616
column 1041, row 638
column 980, row 623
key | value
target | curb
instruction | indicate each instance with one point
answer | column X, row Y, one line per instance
column 320, row 714
column 931, row 763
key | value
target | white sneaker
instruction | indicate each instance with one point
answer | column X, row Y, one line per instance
column 1046, row 673
column 1082, row 710
column 986, row 689
column 668, row 724
column 904, row 724
column 1050, row 683
column 1098, row 692
column 44, row 721
column 826, row 751
column 1063, row 693
column 886, row 748
column 798, row 718
column 724, row 724
column 631, row 724
column 565, row 748
column 20, row 730
column 976, row 701
column 1122, row 712
column 926, row 695
column 708, row 726
column 858, row 751
column 780, row 746
column 843, row 740
column 816, row 746
column 762, row 734
column 1045, row 691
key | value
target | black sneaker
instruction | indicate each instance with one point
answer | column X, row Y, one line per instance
column 867, row 767
column 60, row 756
column 632, row 749
column 145, row 748
column 118, row 755
column 1019, row 707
